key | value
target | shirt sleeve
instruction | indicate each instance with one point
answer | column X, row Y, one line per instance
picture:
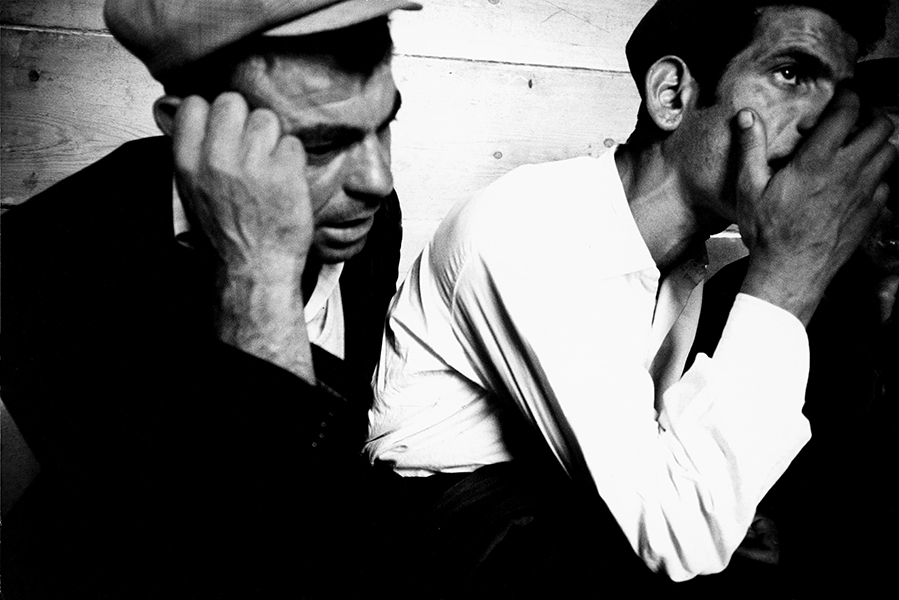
column 568, row 349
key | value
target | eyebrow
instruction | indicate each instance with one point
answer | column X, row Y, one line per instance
column 339, row 133
column 811, row 62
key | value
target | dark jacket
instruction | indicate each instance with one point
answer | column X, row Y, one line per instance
column 172, row 464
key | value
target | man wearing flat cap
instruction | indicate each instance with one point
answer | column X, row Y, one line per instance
column 191, row 323
column 553, row 311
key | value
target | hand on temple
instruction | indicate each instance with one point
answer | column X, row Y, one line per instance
column 243, row 184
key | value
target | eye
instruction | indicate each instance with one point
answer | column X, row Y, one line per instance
column 321, row 149
column 323, row 153
column 790, row 75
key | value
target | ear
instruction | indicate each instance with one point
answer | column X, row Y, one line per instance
column 164, row 110
column 669, row 89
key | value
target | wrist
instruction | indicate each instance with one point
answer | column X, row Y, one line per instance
column 796, row 288
column 273, row 270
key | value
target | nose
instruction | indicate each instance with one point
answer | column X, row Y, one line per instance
column 370, row 177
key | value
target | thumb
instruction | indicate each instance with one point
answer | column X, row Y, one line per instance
column 753, row 172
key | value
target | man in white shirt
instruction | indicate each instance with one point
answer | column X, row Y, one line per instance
column 568, row 294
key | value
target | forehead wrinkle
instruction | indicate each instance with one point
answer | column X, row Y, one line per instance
column 781, row 30
column 305, row 92
column 367, row 110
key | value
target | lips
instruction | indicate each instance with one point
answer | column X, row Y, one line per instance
column 348, row 232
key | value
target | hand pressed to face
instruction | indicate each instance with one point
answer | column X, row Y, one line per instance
column 787, row 76
column 343, row 121
column 266, row 204
column 803, row 222
column 882, row 246
column 332, row 173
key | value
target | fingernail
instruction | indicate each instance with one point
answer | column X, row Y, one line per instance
column 745, row 119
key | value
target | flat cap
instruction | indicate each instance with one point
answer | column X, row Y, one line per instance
column 170, row 34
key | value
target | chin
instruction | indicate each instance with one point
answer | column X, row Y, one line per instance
column 335, row 253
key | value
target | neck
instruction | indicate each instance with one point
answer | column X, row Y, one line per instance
column 669, row 222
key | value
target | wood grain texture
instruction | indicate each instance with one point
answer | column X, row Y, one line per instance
column 464, row 123
column 71, row 14
column 67, row 100
column 488, row 85
column 574, row 33
column 571, row 33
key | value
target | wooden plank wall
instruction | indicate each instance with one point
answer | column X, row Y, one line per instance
column 488, row 85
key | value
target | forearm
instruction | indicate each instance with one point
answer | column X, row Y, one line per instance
column 260, row 310
column 733, row 424
column 683, row 487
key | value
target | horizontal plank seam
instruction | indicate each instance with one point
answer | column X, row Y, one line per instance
column 104, row 33
column 57, row 30
column 514, row 64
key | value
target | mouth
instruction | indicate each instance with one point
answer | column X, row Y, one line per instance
column 348, row 232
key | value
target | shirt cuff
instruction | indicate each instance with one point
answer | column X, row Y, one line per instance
column 764, row 335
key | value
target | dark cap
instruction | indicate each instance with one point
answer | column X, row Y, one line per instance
column 170, row 34
column 705, row 34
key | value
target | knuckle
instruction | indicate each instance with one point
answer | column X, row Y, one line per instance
column 264, row 122
column 229, row 105
column 193, row 104
column 291, row 146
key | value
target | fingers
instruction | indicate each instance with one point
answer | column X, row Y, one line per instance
column 881, row 195
column 872, row 146
column 189, row 133
column 869, row 139
column 874, row 174
column 224, row 130
column 836, row 123
column 220, row 133
column 290, row 151
column 753, row 170
column 261, row 135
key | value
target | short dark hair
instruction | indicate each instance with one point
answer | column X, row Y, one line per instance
column 357, row 49
column 679, row 29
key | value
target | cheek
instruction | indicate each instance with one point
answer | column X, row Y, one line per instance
column 324, row 183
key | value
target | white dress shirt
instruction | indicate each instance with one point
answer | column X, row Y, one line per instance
column 540, row 295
